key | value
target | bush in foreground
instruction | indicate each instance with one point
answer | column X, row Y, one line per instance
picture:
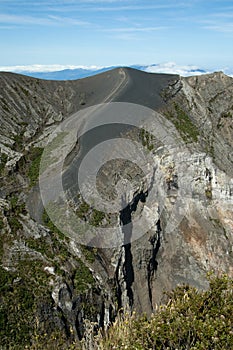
column 191, row 320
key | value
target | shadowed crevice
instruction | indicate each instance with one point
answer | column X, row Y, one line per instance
column 127, row 227
column 153, row 264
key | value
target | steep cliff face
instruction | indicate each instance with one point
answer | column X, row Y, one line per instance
column 55, row 282
column 192, row 232
column 203, row 238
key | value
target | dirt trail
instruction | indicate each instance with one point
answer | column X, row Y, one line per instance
column 124, row 81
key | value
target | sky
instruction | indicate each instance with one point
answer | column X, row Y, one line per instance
column 116, row 32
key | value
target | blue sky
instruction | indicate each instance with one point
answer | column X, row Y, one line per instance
column 110, row 32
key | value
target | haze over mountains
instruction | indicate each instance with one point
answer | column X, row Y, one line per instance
column 68, row 72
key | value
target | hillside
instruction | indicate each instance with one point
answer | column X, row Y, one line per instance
column 51, row 281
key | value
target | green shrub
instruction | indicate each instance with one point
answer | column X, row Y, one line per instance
column 34, row 168
column 3, row 160
column 89, row 253
column 17, row 207
column 146, row 139
column 1, row 224
column 83, row 210
column 13, row 215
column 188, row 131
column 19, row 294
column 93, row 216
column 41, row 245
column 83, row 278
column 192, row 319
column 14, row 223
column 48, row 222
column 96, row 217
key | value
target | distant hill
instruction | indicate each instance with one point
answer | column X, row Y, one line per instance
column 73, row 72
column 68, row 74
column 78, row 73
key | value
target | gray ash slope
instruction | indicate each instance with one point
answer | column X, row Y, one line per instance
column 145, row 88
column 60, row 284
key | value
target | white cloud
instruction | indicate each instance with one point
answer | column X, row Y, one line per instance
column 37, row 68
column 68, row 20
column 49, row 20
column 173, row 68
column 15, row 19
column 223, row 28
column 137, row 7
column 219, row 22
column 102, row 1
column 228, row 71
column 168, row 67
column 134, row 29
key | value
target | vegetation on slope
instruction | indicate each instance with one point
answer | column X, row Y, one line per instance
column 92, row 215
column 34, row 169
column 21, row 293
column 29, row 318
column 3, row 160
column 192, row 319
column 188, row 131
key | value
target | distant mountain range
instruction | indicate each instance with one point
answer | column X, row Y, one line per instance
column 58, row 72
column 68, row 74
